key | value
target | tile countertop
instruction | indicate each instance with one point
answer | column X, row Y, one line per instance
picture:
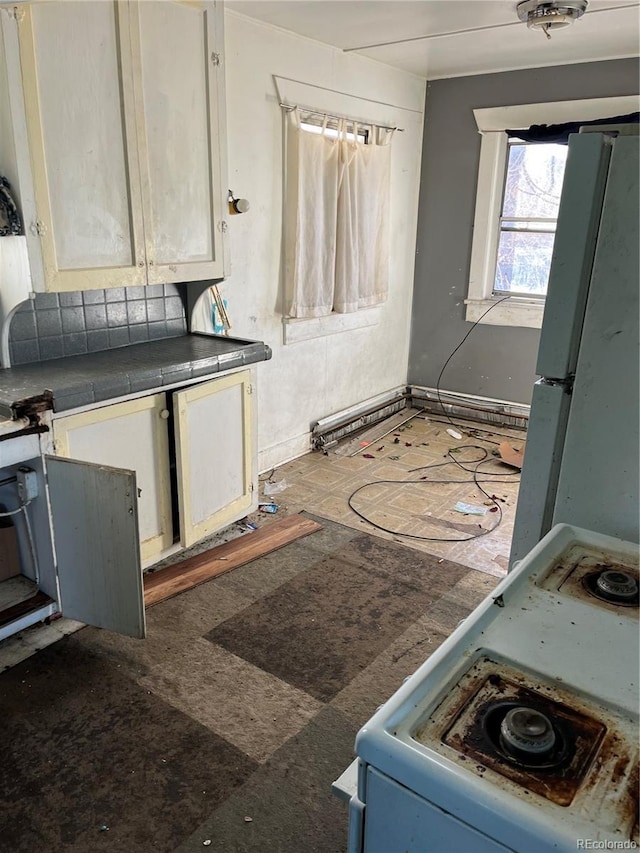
column 80, row 380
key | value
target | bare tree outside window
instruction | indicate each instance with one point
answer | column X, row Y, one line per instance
column 528, row 217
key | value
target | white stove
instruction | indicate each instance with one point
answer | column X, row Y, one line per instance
column 521, row 731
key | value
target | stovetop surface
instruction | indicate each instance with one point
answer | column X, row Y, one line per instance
column 531, row 634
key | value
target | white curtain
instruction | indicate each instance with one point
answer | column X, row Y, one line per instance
column 339, row 225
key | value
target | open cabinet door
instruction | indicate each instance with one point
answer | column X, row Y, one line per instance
column 214, row 454
column 95, row 528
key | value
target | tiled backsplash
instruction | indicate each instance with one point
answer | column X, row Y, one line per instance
column 53, row 325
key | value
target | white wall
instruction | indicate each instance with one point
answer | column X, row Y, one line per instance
column 310, row 379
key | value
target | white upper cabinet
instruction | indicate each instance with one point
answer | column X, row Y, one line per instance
column 178, row 100
column 80, row 126
column 123, row 109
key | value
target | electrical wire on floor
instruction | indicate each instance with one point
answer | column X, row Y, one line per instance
column 477, row 477
column 475, row 471
column 451, row 355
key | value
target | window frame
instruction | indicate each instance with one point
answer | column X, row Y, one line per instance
column 332, row 130
column 517, row 310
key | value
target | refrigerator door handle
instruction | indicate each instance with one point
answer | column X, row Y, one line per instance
column 566, row 384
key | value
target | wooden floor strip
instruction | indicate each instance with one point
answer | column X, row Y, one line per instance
column 168, row 582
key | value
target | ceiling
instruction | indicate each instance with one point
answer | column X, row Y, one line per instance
column 450, row 38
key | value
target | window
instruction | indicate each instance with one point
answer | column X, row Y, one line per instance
column 337, row 226
column 331, row 130
column 517, row 206
column 528, row 217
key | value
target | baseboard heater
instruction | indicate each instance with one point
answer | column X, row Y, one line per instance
column 328, row 431
column 467, row 407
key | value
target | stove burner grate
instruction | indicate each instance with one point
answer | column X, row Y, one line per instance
column 520, row 732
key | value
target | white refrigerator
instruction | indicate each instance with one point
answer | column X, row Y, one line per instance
column 582, row 461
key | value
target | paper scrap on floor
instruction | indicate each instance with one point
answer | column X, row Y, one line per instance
column 513, row 456
column 470, row 509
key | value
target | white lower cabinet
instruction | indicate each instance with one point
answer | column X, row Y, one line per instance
column 215, row 458
column 77, row 543
column 122, row 480
column 212, row 444
column 95, row 536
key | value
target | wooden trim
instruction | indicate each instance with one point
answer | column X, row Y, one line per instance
column 134, row 98
column 180, row 577
column 218, row 136
column 28, row 65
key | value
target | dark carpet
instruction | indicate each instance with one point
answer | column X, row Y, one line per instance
column 229, row 723
column 318, row 630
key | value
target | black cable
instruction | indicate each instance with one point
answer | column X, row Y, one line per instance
column 475, row 480
column 474, row 471
column 477, row 462
column 444, row 366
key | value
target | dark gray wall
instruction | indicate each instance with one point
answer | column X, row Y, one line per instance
column 495, row 361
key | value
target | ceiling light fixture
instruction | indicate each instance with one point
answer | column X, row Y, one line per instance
column 548, row 15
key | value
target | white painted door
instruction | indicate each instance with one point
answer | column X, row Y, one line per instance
column 179, row 98
column 95, row 528
column 131, row 435
column 214, row 427
column 76, row 73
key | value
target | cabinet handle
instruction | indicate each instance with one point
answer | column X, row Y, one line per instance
column 140, row 263
column 164, row 414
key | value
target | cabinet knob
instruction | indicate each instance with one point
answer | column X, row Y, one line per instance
column 164, row 414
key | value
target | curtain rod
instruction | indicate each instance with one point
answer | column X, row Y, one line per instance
column 291, row 107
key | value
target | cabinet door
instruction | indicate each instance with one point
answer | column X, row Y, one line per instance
column 179, row 96
column 95, row 528
column 76, row 75
column 214, row 454
column 131, row 435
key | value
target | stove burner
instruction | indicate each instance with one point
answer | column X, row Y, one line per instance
column 525, row 736
column 525, row 730
column 619, row 584
column 613, row 585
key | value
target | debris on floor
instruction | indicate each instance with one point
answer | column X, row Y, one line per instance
column 513, row 456
column 274, row 488
column 470, row 509
column 455, row 434
column 270, row 506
